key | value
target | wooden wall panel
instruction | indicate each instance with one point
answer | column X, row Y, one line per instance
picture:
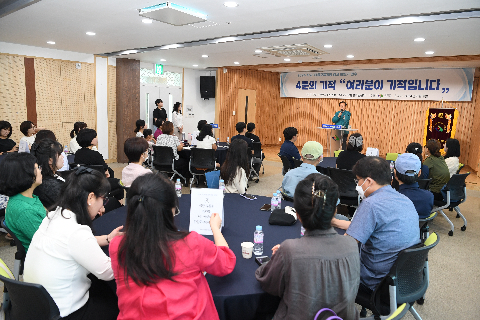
column 13, row 106
column 128, row 101
column 112, row 113
column 389, row 125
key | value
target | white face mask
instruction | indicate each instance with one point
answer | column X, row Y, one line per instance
column 360, row 191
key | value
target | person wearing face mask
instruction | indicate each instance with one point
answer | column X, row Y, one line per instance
column 385, row 223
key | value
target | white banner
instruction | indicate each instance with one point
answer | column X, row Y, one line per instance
column 405, row 84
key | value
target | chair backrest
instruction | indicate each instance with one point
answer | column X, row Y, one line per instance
column 97, row 167
column 257, row 150
column 456, row 186
column 202, row 158
column 336, row 153
column 460, row 166
column 286, row 163
column 163, row 156
column 391, row 156
column 5, row 271
column 21, row 253
column 424, row 183
column 297, row 163
column 29, row 301
column 345, row 179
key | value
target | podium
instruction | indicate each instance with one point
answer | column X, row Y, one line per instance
column 335, row 137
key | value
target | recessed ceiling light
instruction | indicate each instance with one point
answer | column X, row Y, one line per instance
column 429, row 52
column 327, row 46
column 419, row 39
column 258, row 51
column 129, row 51
column 51, row 42
column 236, row 62
column 89, row 33
column 195, row 65
column 286, row 59
column 163, row 60
column 230, row 4
column 350, row 56
column 147, row 20
column 204, row 55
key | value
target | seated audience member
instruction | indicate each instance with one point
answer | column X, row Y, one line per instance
column 148, row 135
column 48, row 134
column 136, row 150
column 347, row 158
column 140, row 126
column 19, row 176
column 438, row 169
column 241, row 128
column 64, row 251
column 312, row 154
column 87, row 139
column 407, row 170
column 385, row 222
column 29, row 130
column 416, row 149
column 205, row 139
column 195, row 134
column 158, row 132
column 74, row 146
column 235, row 167
column 50, row 158
column 176, row 288
column 319, row 270
column 288, row 148
column 251, row 132
column 452, row 152
column 6, row 144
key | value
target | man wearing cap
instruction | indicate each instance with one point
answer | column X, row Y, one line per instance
column 407, row 170
column 312, row 154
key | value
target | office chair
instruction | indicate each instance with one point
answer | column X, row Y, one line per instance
column 391, row 156
column 345, row 180
column 286, row 164
column 163, row 161
column 201, row 161
column 19, row 255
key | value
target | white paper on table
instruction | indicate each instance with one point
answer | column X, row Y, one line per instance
column 204, row 202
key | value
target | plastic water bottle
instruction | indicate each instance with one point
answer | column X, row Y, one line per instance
column 392, row 165
column 228, row 140
column 221, row 185
column 273, row 202
column 65, row 150
column 279, row 200
column 178, row 188
column 218, row 142
column 302, row 231
column 258, row 241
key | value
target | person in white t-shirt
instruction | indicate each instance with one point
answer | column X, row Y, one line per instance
column 452, row 152
column 235, row 167
column 29, row 130
column 205, row 139
column 140, row 127
column 74, row 146
column 195, row 133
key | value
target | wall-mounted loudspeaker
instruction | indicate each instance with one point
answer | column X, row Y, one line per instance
column 207, row 87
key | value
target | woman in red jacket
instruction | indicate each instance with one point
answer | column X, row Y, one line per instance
column 158, row 269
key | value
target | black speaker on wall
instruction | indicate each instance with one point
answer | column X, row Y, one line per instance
column 207, row 87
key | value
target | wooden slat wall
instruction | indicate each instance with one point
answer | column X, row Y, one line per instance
column 389, row 125
column 13, row 106
column 112, row 113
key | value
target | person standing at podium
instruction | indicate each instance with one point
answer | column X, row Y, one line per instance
column 342, row 118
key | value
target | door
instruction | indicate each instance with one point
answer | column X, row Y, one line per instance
column 148, row 95
column 247, row 105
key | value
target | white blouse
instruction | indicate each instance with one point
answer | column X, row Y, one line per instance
column 139, row 134
column 177, row 119
column 61, row 255
column 25, row 143
column 452, row 164
column 166, row 140
column 239, row 183
column 74, row 146
column 207, row 142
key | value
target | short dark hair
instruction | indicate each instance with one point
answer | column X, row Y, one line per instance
column 434, row 147
column 167, row 127
column 147, row 132
column 206, row 131
column 6, row 125
column 75, row 191
column 25, row 125
column 45, row 134
column 240, row 126
column 289, row 133
column 134, row 147
column 77, row 127
column 17, row 173
column 453, row 148
column 85, row 137
column 159, row 123
column 342, row 102
column 316, row 209
column 250, row 126
column 375, row 168
column 139, row 123
column 44, row 151
column 158, row 101
column 176, row 106
column 405, row 179
column 200, row 124
column 354, row 148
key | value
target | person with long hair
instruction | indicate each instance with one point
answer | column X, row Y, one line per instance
column 205, row 139
column 416, row 149
column 64, row 251
column 140, row 126
column 177, row 119
column 235, row 167
column 195, row 133
column 73, row 145
column 438, row 169
column 29, row 130
column 136, row 150
column 159, row 269
column 452, row 152
column 347, row 158
column 6, row 144
column 319, row 270
column 50, row 158
column 19, row 176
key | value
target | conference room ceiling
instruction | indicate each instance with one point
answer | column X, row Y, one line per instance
column 118, row 27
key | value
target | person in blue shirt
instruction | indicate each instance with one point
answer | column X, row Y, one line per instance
column 342, row 118
column 288, row 148
column 407, row 170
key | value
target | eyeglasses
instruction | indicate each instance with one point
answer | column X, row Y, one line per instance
column 177, row 211
column 105, row 200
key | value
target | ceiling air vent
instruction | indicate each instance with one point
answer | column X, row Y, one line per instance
column 173, row 14
column 293, row 50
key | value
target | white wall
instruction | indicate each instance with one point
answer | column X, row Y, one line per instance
column 101, row 98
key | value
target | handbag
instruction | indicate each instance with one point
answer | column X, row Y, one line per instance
column 334, row 317
column 281, row 218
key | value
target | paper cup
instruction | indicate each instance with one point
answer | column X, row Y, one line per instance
column 247, row 249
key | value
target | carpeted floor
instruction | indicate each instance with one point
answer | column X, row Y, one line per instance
column 454, row 291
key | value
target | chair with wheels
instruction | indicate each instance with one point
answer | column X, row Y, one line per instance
column 391, row 156
column 256, row 160
column 163, row 161
column 28, row 301
column 406, row 282
column 460, row 166
column 5, row 272
column 19, row 255
column 345, row 179
column 456, row 194
column 400, row 312
column 286, row 164
column 424, row 229
column 201, row 161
